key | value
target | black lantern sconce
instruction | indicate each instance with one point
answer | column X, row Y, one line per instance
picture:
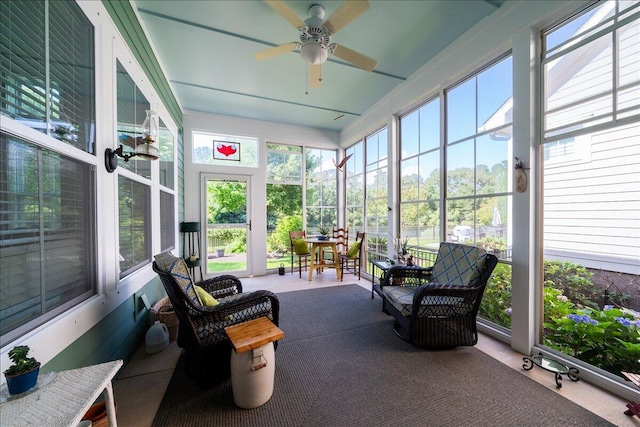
column 143, row 147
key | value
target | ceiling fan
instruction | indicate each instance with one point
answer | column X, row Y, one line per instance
column 315, row 37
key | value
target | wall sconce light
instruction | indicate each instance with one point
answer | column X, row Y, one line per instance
column 143, row 147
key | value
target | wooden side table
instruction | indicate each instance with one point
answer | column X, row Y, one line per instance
column 253, row 362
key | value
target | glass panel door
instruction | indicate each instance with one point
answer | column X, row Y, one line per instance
column 228, row 224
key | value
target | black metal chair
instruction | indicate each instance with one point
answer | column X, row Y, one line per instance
column 436, row 307
column 201, row 328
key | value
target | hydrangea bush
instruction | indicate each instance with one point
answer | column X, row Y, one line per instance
column 607, row 338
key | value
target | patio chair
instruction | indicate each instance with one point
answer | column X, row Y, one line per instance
column 436, row 307
column 299, row 249
column 204, row 313
column 352, row 259
column 342, row 234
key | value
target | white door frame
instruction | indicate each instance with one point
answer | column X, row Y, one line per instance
column 204, row 177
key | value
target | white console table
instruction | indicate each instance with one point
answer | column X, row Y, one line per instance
column 63, row 401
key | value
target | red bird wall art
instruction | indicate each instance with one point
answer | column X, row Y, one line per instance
column 225, row 150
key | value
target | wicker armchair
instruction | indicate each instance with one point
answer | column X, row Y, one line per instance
column 201, row 328
column 436, row 307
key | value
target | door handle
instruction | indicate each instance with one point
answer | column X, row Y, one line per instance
column 249, row 224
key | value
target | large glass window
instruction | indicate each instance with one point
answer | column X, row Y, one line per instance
column 167, row 221
column 134, row 189
column 284, row 199
column 225, row 150
column 591, row 186
column 47, row 229
column 376, row 193
column 134, row 218
column 420, row 177
column 166, row 142
column 47, row 79
column 354, row 183
column 47, row 199
column 478, row 159
column 132, row 112
column 321, row 186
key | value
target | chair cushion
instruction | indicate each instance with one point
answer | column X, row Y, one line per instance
column 300, row 247
column 205, row 297
column 401, row 297
column 354, row 250
column 458, row 264
column 178, row 269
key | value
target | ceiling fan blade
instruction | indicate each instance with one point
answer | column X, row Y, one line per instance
column 355, row 58
column 275, row 51
column 315, row 75
column 286, row 12
column 346, row 13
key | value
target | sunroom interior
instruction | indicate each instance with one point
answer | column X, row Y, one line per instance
column 521, row 136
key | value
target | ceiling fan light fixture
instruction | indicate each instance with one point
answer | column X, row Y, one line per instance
column 314, row 53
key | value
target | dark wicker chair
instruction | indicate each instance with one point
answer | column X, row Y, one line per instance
column 201, row 328
column 436, row 307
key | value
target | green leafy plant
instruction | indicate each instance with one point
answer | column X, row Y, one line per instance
column 324, row 231
column 496, row 301
column 278, row 241
column 573, row 280
column 21, row 363
column 405, row 245
column 608, row 338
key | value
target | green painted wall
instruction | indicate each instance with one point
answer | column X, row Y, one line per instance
column 117, row 336
column 124, row 17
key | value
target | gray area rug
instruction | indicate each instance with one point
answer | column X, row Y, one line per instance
column 340, row 364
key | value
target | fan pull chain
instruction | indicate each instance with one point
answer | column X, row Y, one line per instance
column 306, row 74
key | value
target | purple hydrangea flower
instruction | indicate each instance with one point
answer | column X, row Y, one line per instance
column 607, row 307
column 508, row 311
column 623, row 321
column 582, row 318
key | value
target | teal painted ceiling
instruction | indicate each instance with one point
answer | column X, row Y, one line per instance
column 206, row 49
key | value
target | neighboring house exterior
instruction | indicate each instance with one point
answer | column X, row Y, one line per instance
column 591, row 190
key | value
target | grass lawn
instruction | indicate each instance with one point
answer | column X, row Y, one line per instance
column 220, row 266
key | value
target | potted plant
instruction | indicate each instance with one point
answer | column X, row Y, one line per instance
column 23, row 374
column 324, row 231
column 405, row 245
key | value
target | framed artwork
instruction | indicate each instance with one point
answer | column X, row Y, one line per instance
column 224, row 150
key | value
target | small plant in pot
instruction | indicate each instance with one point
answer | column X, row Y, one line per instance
column 324, row 231
column 23, row 374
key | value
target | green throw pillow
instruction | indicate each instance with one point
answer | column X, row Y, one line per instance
column 353, row 250
column 206, row 298
column 300, row 247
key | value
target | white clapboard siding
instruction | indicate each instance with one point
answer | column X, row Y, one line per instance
column 592, row 207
